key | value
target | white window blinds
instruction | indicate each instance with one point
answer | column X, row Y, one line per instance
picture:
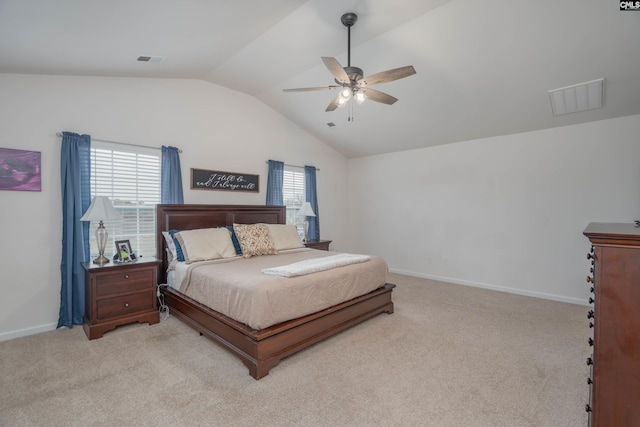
column 293, row 192
column 130, row 178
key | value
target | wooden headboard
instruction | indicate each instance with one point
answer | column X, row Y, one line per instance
column 190, row 217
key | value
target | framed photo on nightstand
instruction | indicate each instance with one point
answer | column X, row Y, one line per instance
column 124, row 253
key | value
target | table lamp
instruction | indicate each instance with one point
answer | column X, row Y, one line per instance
column 306, row 211
column 101, row 209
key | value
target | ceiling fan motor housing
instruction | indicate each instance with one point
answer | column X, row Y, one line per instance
column 354, row 74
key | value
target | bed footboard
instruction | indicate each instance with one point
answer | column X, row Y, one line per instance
column 261, row 350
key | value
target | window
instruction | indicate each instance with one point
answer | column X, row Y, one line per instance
column 130, row 177
column 293, row 192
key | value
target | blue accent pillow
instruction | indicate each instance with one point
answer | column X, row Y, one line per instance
column 234, row 239
column 179, row 253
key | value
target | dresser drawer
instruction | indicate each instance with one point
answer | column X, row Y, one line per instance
column 123, row 282
column 124, row 305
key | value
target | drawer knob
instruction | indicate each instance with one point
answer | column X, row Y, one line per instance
column 590, row 314
column 126, row 305
column 126, row 276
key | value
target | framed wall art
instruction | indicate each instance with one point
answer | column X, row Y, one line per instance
column 20, row 170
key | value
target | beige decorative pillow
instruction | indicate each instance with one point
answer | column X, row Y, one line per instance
column 205, row 244
column 284, row 236
column 254, row 239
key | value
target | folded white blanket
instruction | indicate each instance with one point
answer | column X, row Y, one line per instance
column 316, row 264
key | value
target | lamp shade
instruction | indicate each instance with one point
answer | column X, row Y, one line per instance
column 306, row 210
column 101, row 209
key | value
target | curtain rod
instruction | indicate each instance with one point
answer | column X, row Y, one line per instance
column 59, row 134
column 293, row 166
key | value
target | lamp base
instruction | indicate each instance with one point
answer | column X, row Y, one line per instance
column 101, row 241
column 101, row 260
column 306, row 231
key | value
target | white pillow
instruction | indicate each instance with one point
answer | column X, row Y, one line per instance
column 171, row 247
column 285, row 236
column 205, row 244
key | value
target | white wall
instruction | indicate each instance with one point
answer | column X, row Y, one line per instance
column 215, row 127
column 504, row 213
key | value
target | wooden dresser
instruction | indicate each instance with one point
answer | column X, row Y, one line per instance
column 615, row 321
column 117, row 294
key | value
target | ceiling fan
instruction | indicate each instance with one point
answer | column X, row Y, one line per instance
column 350, row 79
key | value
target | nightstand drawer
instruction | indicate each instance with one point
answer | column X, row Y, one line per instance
column 122, row 306
column 123, row 282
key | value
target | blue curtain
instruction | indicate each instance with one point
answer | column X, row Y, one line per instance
column 75, row 175
column 171, row 176
column 312, row 197
column 275, row 180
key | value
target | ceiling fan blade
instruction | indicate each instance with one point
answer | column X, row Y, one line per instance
column 336, row 69
column 387, row 76
column 376, row 95
column 333, row 105
column 309, row 89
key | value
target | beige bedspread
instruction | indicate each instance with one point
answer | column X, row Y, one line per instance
column 237, row 288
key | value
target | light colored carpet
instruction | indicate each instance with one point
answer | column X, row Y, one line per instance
column 450, row 355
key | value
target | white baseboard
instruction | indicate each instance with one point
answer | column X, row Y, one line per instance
column 5, row 336
column 552, row 297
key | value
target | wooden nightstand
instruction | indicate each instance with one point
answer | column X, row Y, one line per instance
column 323, row 245
column 117, row 294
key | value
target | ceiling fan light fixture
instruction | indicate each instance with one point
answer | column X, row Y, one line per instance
column 360, row 97
column 343, row 97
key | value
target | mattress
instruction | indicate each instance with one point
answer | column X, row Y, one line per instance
column 237, row 288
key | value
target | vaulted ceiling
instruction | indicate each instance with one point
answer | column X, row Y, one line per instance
column 484, row 67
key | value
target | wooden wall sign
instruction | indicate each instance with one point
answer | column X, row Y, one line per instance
column 202, row 179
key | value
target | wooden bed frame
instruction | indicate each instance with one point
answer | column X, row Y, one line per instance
column 259, row 350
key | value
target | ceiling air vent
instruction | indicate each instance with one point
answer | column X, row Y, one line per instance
column 331, row 124
column 580, row 97
column 151, row 58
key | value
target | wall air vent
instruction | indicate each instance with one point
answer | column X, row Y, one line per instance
column 151, row 58
column 580, row 97
column 331, row 124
